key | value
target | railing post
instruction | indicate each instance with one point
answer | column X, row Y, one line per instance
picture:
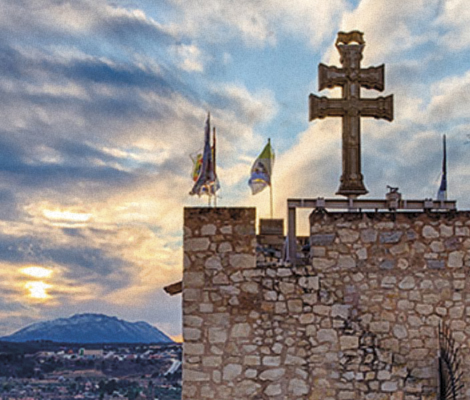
column 291, row 233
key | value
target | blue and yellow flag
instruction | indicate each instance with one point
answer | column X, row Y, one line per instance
column 262, row 169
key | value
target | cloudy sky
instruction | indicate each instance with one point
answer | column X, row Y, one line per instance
column 102, row 101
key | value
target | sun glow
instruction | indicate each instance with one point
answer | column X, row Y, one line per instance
column 66, row 216
column 177, row 338
column 38, row 289
column 37, row 272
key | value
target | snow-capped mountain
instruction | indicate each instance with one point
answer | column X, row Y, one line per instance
column 90, row 328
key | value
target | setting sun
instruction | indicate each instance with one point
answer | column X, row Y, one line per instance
column 38, row 289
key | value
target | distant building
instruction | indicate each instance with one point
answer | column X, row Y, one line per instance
column 92, row 353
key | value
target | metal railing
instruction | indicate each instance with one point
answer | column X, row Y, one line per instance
column 450, row 374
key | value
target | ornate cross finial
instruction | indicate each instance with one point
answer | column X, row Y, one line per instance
column 351, row 107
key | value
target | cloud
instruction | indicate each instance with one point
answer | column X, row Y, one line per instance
column 389, row 29
column 190, row 57
column 454, row 19
column 248, row 107
column 450, row 98
column 258, row 23
column 74, row 22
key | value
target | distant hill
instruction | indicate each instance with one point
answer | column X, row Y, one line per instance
column 90, row 328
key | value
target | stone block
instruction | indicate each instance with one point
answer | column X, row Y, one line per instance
column 310, row 282
column 361, row 253
column 190, row 375
column 456, row 312
column 455, row 259
column 388, row 282
column 322, row 264
column 225, row 247
column 295, row 306
column 390, row 237
column 241, row 330
column 322, row 239
column 191, row 334
column 213, row 262
column 348, row 342
column 389, row 386
column 294, row 360
column 208, row 230
column 346, row 262
column 252, row 360
column 407, row 283
column 193, row 348
column 272, row 374
column 244, row 229
column 226, row 230
column 401, row 248
column 322, row 310
column 211, row 361
column 271, row 361
column 327, row 335
column 453, row 243
column 429, row 232
column 298, row 387
column 217, row 335
column 340, row 311
column 274, row 389
column 348, row 235
column 287, row 287
column 242, row 261
column 424, row 309
column 193, row 320
column 231, row 371
column 387, row 264
column 250, row 287
column 193, row 279
column 435, row 264
column 307, row 318
column 380, row 326
column 437, row 246
column 369, row 235
column 400, row 331
column 196, row 244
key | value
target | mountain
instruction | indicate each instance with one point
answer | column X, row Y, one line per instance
column 90, row 328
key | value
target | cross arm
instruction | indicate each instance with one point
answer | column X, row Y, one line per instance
column 321, row 107
column 379, row 108
column 329, row 76
column 372, row 78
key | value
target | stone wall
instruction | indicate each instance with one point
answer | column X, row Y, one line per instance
column 396, row 276
column 359, row 322
column 218, row 296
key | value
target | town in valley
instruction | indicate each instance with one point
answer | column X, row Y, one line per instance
column 44, row 370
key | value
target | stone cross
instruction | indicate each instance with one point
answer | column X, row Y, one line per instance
column 351, row 107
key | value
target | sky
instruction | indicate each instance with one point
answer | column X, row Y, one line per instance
column 103, row 101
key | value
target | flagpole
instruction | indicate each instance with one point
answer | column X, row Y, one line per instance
column 271, row 198
column 271, row 185
column 214, row 166
column 444, row 167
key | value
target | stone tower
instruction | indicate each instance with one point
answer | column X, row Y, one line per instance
column 357, row 318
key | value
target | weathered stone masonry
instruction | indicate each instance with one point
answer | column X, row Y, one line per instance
column 358, row 322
